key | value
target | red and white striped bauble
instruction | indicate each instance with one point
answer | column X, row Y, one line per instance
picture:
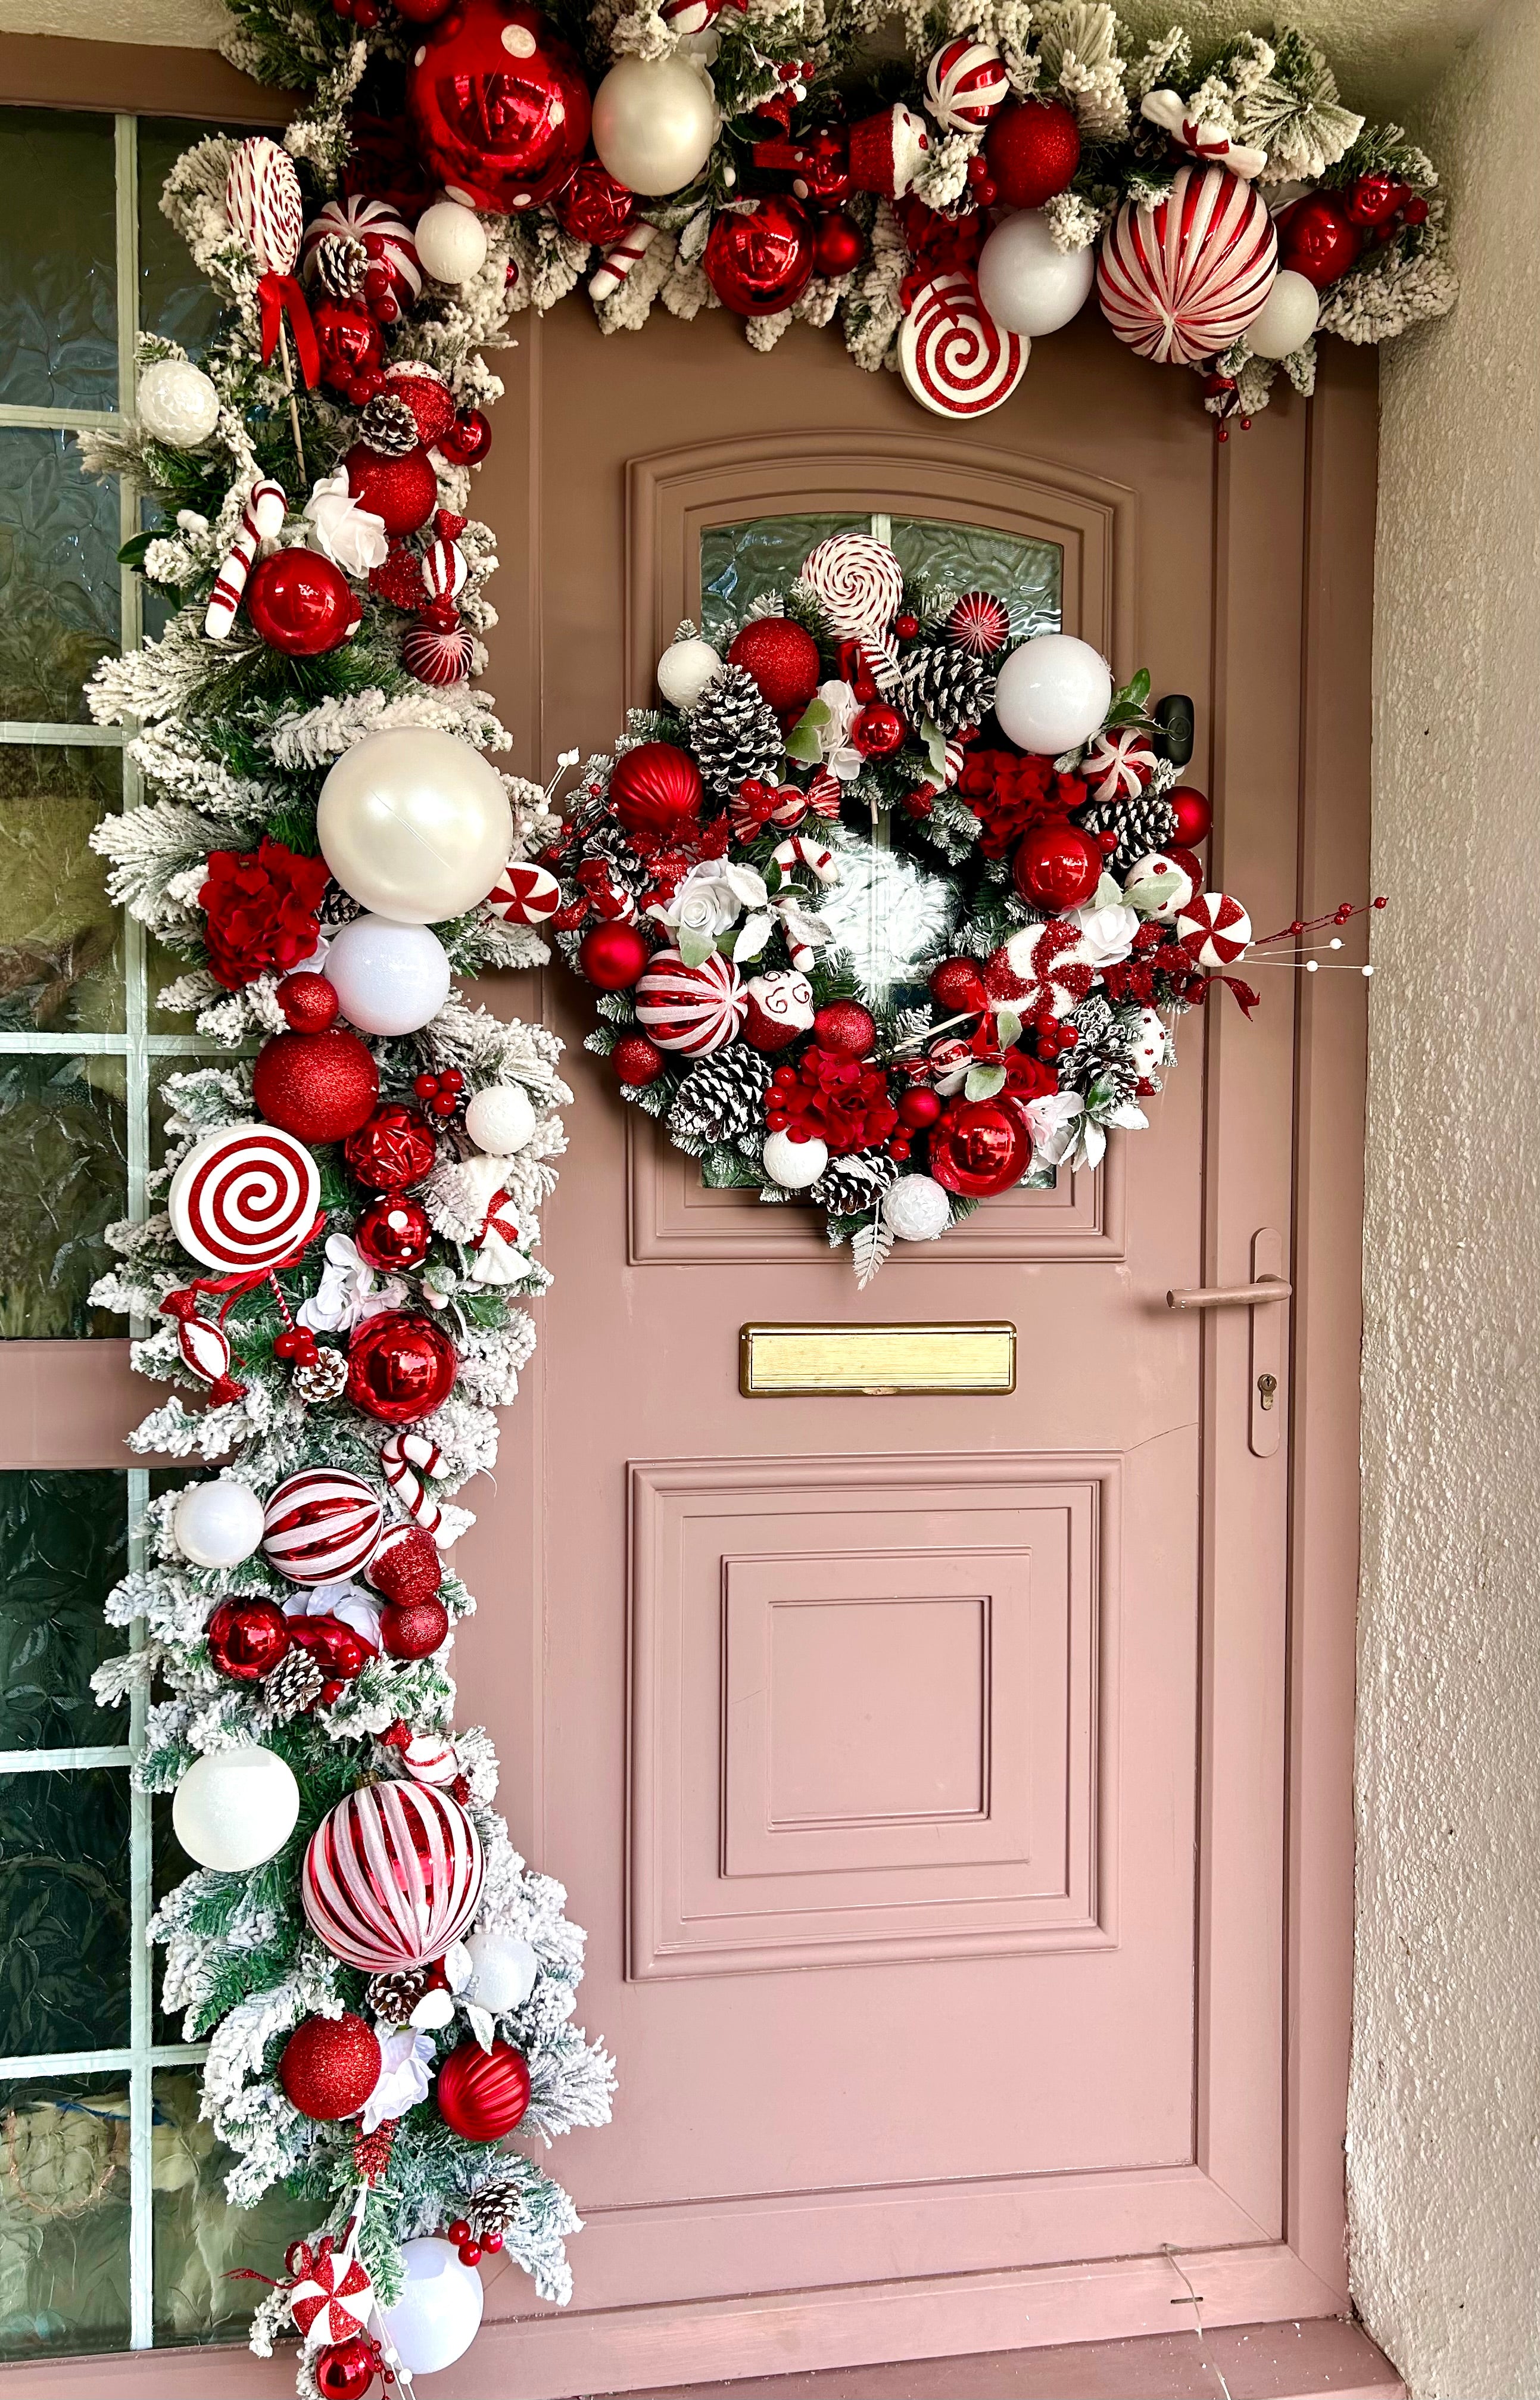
column 953, row 356
column 979, row 624
column 262, row 200
column 393, row 1877
column 692, row 1009
column 965, row 82
column 1184, row 279
column 322, row 1525
column 444, row 568
column 244, row 1198
column 1118, row 764
column 1215, row 928
column 386, row 237
column 436, row 654
column 524, row 893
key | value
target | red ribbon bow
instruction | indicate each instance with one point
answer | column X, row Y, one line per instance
column 279, row 296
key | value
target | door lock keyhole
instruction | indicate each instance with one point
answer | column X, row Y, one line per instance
column 1267, row 1389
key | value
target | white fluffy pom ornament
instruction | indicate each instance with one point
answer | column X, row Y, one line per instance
column 794, row 1165
column 502, row 1972
column 500, row 1119
column 917, row 1209
column 177, row 403
column 1152, row 1049
column 1158, row 886
column 685, row 670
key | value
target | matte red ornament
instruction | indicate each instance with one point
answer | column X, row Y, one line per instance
column 845, row 1026
column 783, row 658
column 348, row 339
column 920, row 1108
column 308, row 1003
column 613, row 956
column 1193, row 813
column 318, row 1086
column 338, row 1649
column 344, row 2370
column 980, row 1147
column 839, row 245
column 393, row 1234
column 1317, row 238
column 406, row 1567
column 468, row 440
column 482, row 2093
column 878, row 731
column 330, row 2066
column 957, row 985
column 246, row 1638
column 416, row 1629
column 501, row 106
column 1032, row 148
column 400, row 1368
column 1056, row 865
column 656, row 790
column 300, row 604
column 403, row 492
column 396, row 1147
column 636, row 1060
column 759, row 260
column 594, row 206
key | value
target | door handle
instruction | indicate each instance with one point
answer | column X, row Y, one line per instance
column 1233, row 1295
column 1268, row 1285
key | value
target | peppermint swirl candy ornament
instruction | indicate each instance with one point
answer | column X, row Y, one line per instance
column 1118, row 765
column 244, row 1199
column 393, row 1877
column 262, row 200
column 1215, row 929
column 386, row 237
column 965, row 82
column 1184, row 278
column 691, row 1009
column 322, row 1525
column 952, row 355
column 859, row 583
column 524, row 893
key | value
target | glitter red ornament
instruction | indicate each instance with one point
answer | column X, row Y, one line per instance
column 1033, row 149
column 330, row 2066
column 400, row 1368
column 636, row 1060
column 980, row 1147
column 403, row 492
column 655, row 790
column 393, row 1236
column 344, row 2370
column 1056, row 865
column 500, row 106
column 1317, row 238
column 246, row 1638
column 308, row 1002
column 416, row 1629
column 318, row 1086
column 396, row 1147
column 594, row 207
column 1193, row 814
column 406, row 1567
column 426, row 393
column 957, row 985
column 348, row 339
column 878, row 730
column 760, row 260
column 299, row 603
column 482, row 2093
column 783, row 658
column 614, row 957
column 845, row 1026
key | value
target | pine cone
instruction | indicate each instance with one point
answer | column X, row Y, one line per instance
column 1144, row 822
column 324, row 1379
column 496, row 2203
column 294, row 1686
column 393, row 1998
column 852, row 1186
column 950, row 686
column 735, row 734
column 389, row 426
column 721, row 1098
column 341, row 264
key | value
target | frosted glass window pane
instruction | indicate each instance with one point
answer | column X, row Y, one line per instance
column 64, row 1905
column 60, row 937
column 62, row 1546
column 58, row 576
column 199, row 2237
column 58, row 260
column 740, row 563
column 64, row 2216
column 63, row 1178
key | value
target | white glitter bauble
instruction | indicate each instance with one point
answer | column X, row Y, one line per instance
column 794, row 1165
column 685, row 670
column 177, row 403
column 451, row 243
column 500, row 1120
column 389, row 978
column 915, row 1208
column 235, row 1809
column 217, row 1524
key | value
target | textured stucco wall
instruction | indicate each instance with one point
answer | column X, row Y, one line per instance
column 1444, row 2129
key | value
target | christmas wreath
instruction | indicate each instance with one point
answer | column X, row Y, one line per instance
column 886, row 910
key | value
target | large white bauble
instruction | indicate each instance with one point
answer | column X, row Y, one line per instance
column 503, row 1971
column 654, row 123
column 390, row 978
column 795, row 1165
column 915, row 1208
column 414, row 825
column 451, row 243
column 235, row 1809
column 1025, row 284
column 1288, row 317
column 500, row 1120
column 685, row 670
column 439, row 2312
column 1052, row 693
column 217, row 1524
column 177, row 403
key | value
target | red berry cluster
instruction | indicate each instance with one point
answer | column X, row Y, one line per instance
column 440, row 1093
column 470, row 2244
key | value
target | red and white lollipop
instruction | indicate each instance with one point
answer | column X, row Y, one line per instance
column 691, row 1009
column 953, row 357
column 524, row 893
column 1117, row 765
column 965, row 82
column 244, row 1200
column 1184, row 279
column 1215, row 928
column 393, row 1877
column 859, row 583
column 322, row 1525
column 262, row 202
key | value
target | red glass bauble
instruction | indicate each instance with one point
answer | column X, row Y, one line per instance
column 395, row 1147
column 350, row 341
column 300, row 602
column 330, row 2066
column 980, row 1147
column 393, row 1234
column 344, row 2370
column 613, row 956
column 760, row 260
column 655, row 790
column 845, row 1026
column 406, row 1567
column 919, row 1109
column 338, row 1649
column 594, row 207
column 1056, row 865
column 1317, row 238
column 468, row 440
column 400, row 1368
column 957, row 985
column 636, row 1060
column 839, row 245
column 1032, row 148
column 246, row 1638
column 318, row 1086
column 878, row 731
column 416, row 1629
column 482, row 2093
column 1193, row 813
column 309, row 1003
column 403, row 492
column 783, row 658
column 501, row 105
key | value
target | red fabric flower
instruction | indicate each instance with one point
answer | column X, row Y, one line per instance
column 1010, row 791
column 260, row 906
column 840, row 1101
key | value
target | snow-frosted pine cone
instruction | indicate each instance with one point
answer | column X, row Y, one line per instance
column 720, row 1099
column 849, row 1186
column 1142, row 824
column 294, row 1686
column 341, row 265
column 735, row 734
column 324, row 1379
column 389, row 426
column 948, row 684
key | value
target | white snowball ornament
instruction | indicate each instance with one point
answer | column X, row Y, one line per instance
column 235, row 1809
column 414, row 825
column 389, row 978
column 1150, row 1052
column 1027, row 284
column 654, row 123
column 177, row 403
column 500, row 1120
column 439, row 2313
column 1289, row 317
column 794, row 1165
column 451, row 243
column 915, row 1209
column 502, row 1972
column 685, row 670
column 217, row 1524
column 1146, row 877
column 1053, row 694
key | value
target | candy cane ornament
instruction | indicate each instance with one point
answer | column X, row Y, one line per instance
column 617, row 258
column 261, row 523
column 800, row 850
column 405, row 1458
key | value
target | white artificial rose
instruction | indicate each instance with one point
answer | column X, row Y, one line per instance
column 404, row 2077
column 1106, row 934
column 1053, row 1124
column 352, row 537
column 842, row 760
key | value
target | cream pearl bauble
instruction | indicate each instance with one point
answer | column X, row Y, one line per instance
column 439, row 2312
column 1288, row 317
column 389, row 978
column 500, row 1120
column 654, row 123
column 795, row 1165
column 1053, row 694
column 217, row 1524
column 503, row 1968
column 451, row 243
column 685, row 670
column 915, row 1208
column 1027, row 284
column 235, row 1809
column 414, row 825
column 177, row 403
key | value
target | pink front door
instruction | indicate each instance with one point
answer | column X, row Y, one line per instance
column 919, row 1764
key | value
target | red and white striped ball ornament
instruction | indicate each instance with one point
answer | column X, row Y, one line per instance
column 979, row 624
column 1118, row 764
column 436, row 654
column 524, row 893
column 953, row 357
column 262, row 202
column 1215, row 928
column 691, row 1009
column 1184, row 277
column 322, row 1525
column 244, row 1198
column 393, row 1877
column 388, row 239
column 965, row 82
